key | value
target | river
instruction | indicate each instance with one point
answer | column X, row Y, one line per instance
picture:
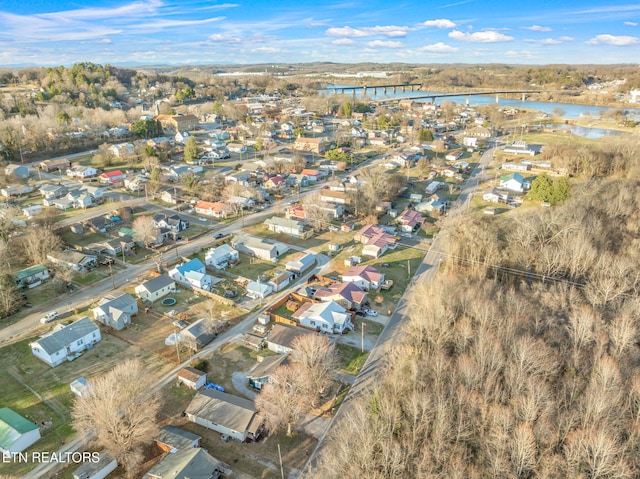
column 569, row 111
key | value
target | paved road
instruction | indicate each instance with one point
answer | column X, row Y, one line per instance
column 392, row 334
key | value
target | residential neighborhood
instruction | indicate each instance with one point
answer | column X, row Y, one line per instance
column 214, row 239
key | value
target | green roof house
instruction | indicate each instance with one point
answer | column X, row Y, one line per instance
column 16, row 432
column 31, row 277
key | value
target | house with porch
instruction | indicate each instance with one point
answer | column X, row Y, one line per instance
column 327, row 317
column 31, row 277
column 66, row 343
column 410, row 221
column 221, row 256
column 261, row 372
column 73, row 260
column 365, row 276
column 285, row 226
column 193, row 273
column 175, row 223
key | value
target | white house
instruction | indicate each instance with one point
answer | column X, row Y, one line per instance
column 258, row 247
column 116, row 312
column 301, row 264
column 285, row 226
column 514, row 182
column 99, row 469
column 280, row 280
column 189, row 463
column 221, row 256
column 66, row 343
column 256, row 289
column 155, row 288
column 495, row 195
column 192, row 273
column 82, row 172
column 192, row 378
column 328, row 317
column 16, row 432
column 232, row 416
column 365, row 276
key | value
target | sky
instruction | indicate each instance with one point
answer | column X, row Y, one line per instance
column 155, row 32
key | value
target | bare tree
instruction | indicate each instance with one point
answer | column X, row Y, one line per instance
column 523, row 449
column 37, row 243
column 284, row 399
column 145, row 230
column 121, row 410
column 315, row 213
column 317, row 356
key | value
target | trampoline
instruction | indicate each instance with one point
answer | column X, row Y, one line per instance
column 169, row 301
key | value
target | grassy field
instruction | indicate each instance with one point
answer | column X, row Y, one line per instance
column 350, row 359
column 41, row 393
column 251, row 268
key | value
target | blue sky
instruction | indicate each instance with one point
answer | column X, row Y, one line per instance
column 62, row 32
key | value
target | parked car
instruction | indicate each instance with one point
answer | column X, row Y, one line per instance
column 52, row 316
column 219, row 235
column 371, row 312
column 361, row 313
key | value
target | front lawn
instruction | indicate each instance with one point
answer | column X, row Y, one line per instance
column 350, row 359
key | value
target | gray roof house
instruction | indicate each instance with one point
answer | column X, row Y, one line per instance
column 229, row 415
column 193, row 463
column 66, row 343
column 172, row 439
column 116, row 312
column 197, row 335
column 99, row 469
column 155, row 288
column 260, row 374
column 258, row 247
column 301, row 264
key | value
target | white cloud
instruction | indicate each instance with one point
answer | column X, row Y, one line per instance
column 551, row 41
column 343, row 41
column 267, row 50
column 488, row 36
column 385, row 44
column 440, row 23
column 345, row 32
column 606, row 39
column 439, row 48
column 221, row 37
column 631, row 24
column 538, row 28
column 135, row 8
column 387, row 31
column 105, row 41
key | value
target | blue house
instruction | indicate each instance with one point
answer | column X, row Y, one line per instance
column 193, row 273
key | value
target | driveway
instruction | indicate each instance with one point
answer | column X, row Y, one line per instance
column 240, row 382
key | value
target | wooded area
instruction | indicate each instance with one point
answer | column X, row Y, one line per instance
column 520, row 358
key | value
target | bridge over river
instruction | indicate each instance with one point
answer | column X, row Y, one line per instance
column 404, row 87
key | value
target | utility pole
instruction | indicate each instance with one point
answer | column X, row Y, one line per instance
column 113, row 280
column 362, row 348
column 281, row 466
